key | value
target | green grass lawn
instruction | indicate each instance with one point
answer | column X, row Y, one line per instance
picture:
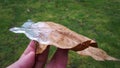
column 97, row 19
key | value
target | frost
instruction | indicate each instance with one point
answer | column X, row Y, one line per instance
column 34, row 31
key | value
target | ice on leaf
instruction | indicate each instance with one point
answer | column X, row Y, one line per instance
column 33, row 32
column 50, row 33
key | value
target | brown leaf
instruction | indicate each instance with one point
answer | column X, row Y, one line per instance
column 65, row 38
column 97, row 54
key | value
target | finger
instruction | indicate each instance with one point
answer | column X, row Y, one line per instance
column 59, row 59
column 41, row 59
column 26, row 62
column 30, row 47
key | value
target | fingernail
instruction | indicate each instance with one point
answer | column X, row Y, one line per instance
column 32, row 43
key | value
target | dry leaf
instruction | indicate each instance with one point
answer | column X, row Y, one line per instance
column 50, row 33
column 97, row 54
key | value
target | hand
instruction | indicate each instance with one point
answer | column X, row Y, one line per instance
column 30, row 60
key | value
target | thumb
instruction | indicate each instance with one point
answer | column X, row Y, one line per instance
column 25, row 62
column 28, row 60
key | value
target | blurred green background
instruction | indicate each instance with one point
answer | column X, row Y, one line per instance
column 96, row 19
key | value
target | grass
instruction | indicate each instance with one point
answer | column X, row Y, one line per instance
column 97, row 19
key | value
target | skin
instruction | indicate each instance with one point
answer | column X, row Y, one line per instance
column 30, row 60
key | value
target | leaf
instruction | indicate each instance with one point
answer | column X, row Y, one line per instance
column 50, row 33
column 97, row 54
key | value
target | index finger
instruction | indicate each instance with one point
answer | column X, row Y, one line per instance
column 30, row 47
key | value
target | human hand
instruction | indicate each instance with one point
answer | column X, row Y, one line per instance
column 29, row 60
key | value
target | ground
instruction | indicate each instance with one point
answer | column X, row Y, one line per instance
column 96, row 19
